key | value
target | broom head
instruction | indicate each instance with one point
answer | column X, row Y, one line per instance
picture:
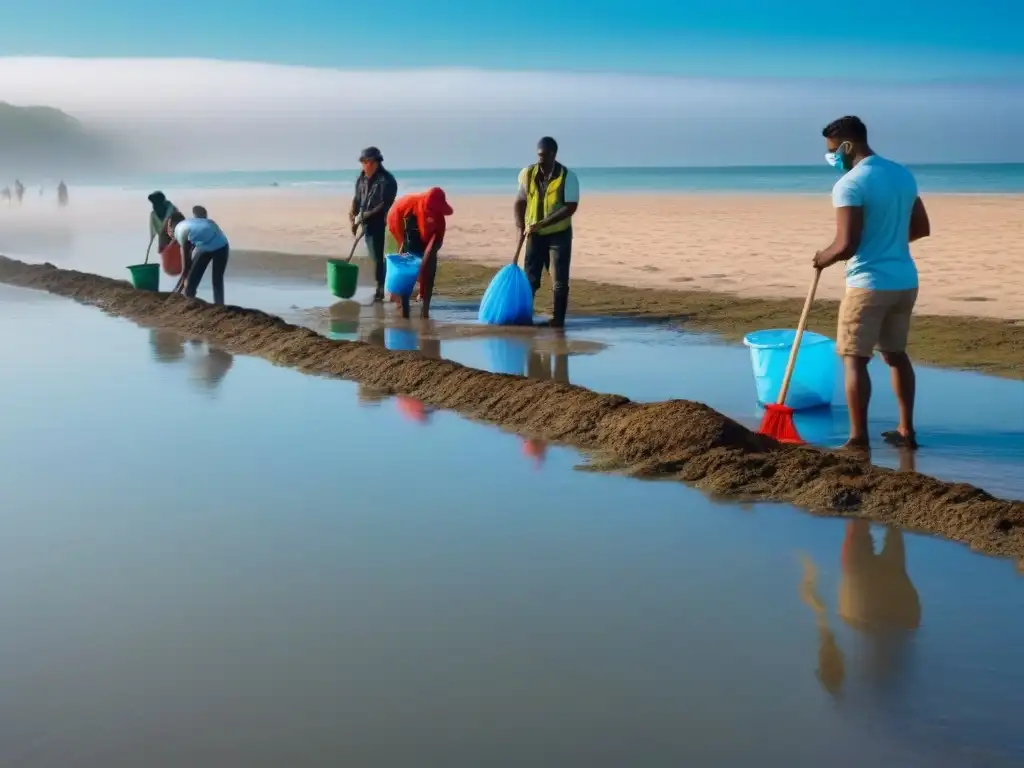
column 778, row 424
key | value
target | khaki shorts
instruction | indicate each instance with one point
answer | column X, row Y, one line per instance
column 870, row 320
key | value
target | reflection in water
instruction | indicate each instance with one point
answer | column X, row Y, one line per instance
column 369, row 396
column 876, row 598
column 831, row 665
column 167, row 346
column 413, row 409
column 343, row 327
column 547, row 366
column 209, row 367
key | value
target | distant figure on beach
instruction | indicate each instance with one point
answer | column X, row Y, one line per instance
column 376, row 190
column 62, row 194
column 19, row 191
column 416, row 225
column 549, row 194
column 202, row 244
column 158, row 218
column 878, row 215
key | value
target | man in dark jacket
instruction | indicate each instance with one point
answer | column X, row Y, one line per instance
column 376, row 190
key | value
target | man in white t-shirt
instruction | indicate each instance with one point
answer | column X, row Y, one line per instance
column 878, row 215
column 549, row 194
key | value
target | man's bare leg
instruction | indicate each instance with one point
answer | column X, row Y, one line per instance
column 858, row 395
column 904, row 385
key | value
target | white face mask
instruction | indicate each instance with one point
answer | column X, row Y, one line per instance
column 837, row 159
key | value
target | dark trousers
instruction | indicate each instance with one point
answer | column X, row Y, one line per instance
column 375, row 245
column 428, row 273
column 200, row 261
column 553, row 253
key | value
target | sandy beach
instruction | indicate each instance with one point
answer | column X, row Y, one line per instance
column 754, row 246
column 726, row 264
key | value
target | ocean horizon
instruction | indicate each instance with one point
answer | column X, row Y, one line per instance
column 964, row 178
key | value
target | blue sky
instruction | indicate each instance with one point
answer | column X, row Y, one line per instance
column 903, row 40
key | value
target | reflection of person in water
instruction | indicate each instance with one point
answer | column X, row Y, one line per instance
column 876, row 598
column 211, row 368
column 168, row 346
column 546, row 366
column 414, row 409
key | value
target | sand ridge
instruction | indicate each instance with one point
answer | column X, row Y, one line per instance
column 676, row 438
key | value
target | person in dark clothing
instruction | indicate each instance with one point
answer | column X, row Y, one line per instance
column 158, row 217
column 549, row 194
column 376, row 190
column 62, row 194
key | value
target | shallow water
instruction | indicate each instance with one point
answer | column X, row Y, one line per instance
column 971, row 426
column 208, row 560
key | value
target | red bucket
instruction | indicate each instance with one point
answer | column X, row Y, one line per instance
column 170, row 258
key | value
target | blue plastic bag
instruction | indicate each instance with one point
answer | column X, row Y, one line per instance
column 508, row 300
column 401, row 273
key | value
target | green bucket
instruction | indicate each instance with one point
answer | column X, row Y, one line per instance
column 145, row 277
column 341, row 278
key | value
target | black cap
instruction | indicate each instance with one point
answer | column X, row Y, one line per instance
column 157, row 197
column 371, row 153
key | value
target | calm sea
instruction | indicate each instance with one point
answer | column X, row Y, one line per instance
column 964, row 178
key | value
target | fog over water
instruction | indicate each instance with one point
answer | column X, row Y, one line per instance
column 194, row 115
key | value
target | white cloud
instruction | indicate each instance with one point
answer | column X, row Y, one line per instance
column 204, row 114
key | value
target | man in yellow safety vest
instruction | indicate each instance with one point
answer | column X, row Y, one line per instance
column 549, row 194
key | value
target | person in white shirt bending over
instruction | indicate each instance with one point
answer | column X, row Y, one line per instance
column 202, row 243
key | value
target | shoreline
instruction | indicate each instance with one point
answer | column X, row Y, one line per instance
column 676, row 439
column 985, row 345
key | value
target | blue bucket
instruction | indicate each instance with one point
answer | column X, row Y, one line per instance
column 401, row 339
column 814, row 378
column 401, row 273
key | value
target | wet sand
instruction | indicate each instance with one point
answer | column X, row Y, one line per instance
column 676, row 439
column 989, row 345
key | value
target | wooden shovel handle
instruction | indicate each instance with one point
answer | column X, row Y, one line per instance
column 355, row 242
column 519, row 248
column 791, row 365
